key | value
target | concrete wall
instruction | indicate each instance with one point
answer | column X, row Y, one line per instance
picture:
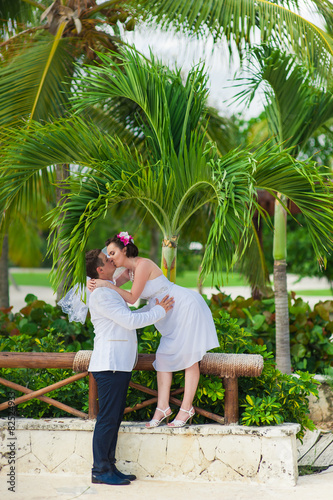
column 209, row 452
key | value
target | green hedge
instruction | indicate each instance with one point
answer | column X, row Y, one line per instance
column 311, row 331
column 270, row 399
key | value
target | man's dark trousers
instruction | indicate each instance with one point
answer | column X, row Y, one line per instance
column 112, row 390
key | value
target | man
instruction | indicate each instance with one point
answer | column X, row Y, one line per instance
column 113, row 358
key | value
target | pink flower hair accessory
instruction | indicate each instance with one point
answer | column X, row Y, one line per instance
column 125, row 238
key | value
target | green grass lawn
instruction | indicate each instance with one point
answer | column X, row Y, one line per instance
column 30, row 279
column 187, row 279
column 315, row 293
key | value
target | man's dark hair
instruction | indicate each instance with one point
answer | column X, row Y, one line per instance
column 131, row 249
column 93, row 261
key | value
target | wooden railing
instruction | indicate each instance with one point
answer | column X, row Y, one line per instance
column 226, row 366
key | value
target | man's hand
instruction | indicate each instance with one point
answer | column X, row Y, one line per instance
column 167, row 303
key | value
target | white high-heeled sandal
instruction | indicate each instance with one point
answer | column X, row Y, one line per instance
column 181, row 423
column 155, row 423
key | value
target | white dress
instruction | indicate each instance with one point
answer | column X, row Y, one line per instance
column 188, row 330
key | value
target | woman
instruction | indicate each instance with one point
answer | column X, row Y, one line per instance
column 188, row 331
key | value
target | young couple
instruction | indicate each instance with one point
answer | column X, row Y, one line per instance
column 179, row 314
column 188, row 330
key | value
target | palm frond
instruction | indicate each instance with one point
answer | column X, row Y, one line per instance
column 119, row 120
column 307, row 187
column 221, row 130
column 21, row 91
column 324, row 8
column 296, row 103
column 170, row 109
column 236, row 202
column 252, row 264
column 15, row 13
column 87, row 203
column 30, row 155
column 238, row 21
column 275, row 171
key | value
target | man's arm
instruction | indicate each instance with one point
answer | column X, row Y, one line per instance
column 109, row 304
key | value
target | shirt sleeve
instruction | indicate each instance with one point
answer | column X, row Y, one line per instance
column 109, row 303
column 145, row 308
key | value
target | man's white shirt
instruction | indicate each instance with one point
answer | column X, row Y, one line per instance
column 115, row 342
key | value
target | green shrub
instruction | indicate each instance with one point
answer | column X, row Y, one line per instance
column 74, row 395
column 41, row 327
column 310, row 330
column 271, row 399
column 36, row 320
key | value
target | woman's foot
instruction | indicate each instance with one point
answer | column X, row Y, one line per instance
column 158, row 417
column 183, row 417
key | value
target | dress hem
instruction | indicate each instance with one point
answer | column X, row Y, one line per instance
column 180, row 369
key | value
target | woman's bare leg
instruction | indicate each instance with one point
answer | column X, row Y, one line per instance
column 164, row 380
column 192, row 375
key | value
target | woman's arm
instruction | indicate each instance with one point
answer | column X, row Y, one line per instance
column 97, row 283
column 123, row 278
column 142, row 274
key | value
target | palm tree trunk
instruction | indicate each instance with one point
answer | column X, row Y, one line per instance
column 282, row 334
column 4, row 281
column 200, row 282
column 283, row 362
column 169, row 257
column 256, row 292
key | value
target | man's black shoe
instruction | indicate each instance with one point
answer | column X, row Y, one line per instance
column 130, row 477
column 109, row 478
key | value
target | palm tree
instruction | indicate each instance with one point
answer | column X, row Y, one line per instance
column 244, row 23
column 37, row 64
column 296, row 106
column 181, row 175
column 41, row 45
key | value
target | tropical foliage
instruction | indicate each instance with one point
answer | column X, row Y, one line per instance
column 41, row 43
column 297, row 104
column 177, row 137
column 180, row 176
column 243, row 23
column 41, row 40
column 270, row 399
column 37, row 68
column 310, row 329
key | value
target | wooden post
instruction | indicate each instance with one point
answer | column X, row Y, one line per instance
column 93, row 397
column 145, row 362
column 231, row 410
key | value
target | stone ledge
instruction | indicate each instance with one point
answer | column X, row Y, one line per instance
column 57, row 424
column 78, row 424
column 209, row 452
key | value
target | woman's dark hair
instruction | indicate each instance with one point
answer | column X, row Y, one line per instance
column 131, row 249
